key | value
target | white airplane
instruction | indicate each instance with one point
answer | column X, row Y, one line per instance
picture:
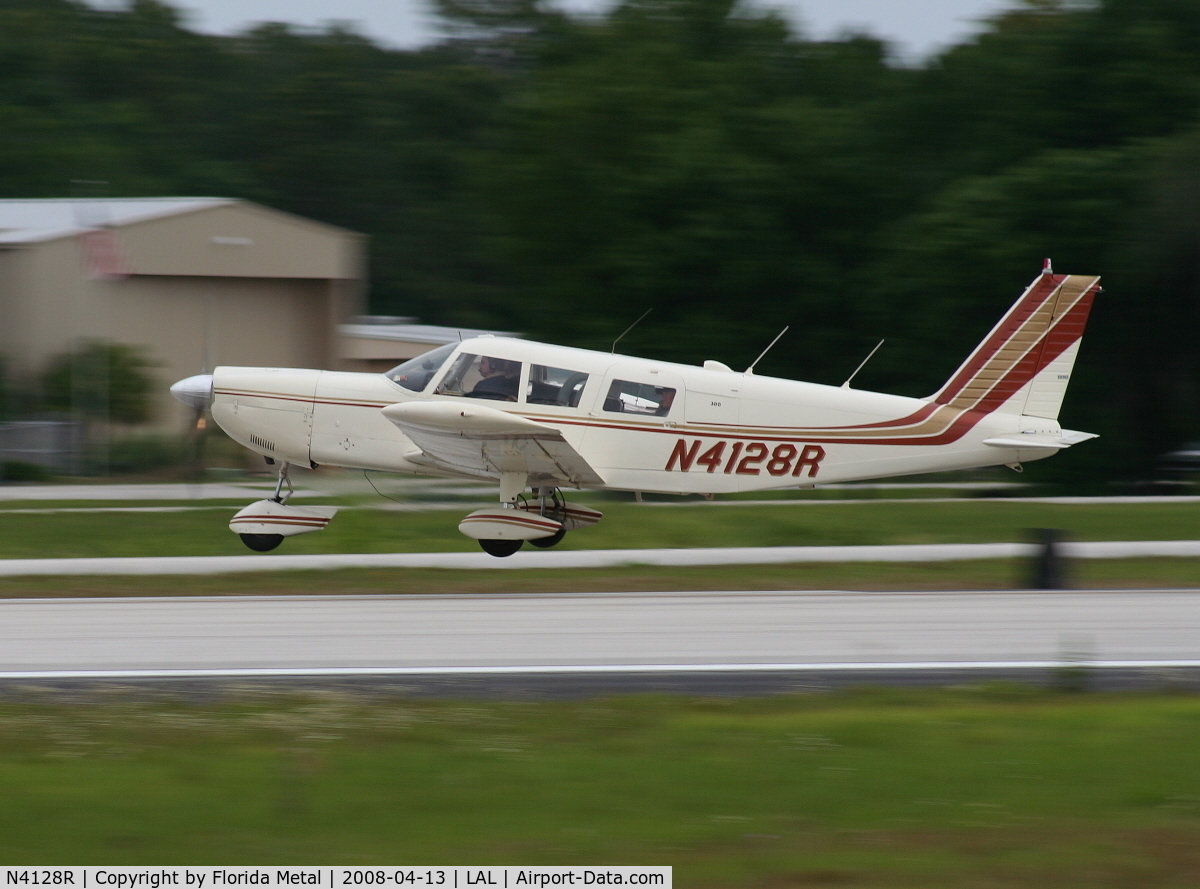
column 536, row 416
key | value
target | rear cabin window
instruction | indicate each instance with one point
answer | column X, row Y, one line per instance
column 416, row 373
column 555, row 385
column 625, row 397
column 481, row 376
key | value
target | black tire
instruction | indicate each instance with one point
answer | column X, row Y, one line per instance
column 500, row 548
column 262, row 543
column 553, row 540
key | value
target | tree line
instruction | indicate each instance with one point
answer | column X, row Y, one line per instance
column 560, row 175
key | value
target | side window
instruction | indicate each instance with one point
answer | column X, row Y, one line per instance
column 554, row 385
column 416, row 373
column 481, row 376
column 639, row 398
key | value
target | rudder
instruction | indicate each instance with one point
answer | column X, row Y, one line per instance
column 1024, row 364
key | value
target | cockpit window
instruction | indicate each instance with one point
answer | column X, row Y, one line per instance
column 555, row 385
column 481, row 376
column 416, row 373
column 639, row 398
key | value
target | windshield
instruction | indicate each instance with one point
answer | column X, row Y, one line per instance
column 416, row 373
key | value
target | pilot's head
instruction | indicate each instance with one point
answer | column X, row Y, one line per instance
column 491, row 367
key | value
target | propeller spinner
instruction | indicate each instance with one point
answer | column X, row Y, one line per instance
column 195, row 391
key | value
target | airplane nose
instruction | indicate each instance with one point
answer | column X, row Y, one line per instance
column 195, row 391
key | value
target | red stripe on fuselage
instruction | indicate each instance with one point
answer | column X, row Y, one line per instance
column 1060, row 335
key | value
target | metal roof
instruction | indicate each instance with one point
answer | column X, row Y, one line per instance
column 29, row 220
column 417, row 333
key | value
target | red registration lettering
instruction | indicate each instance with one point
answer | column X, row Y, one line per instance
column 683, row 456
column 712, row 457
column 745, row 458
column 733, row 458
column 781, row 459
column 811, row 456
column 756, row 452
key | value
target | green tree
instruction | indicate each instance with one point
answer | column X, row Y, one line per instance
column 106, row 382
column 561, row 175
column 686, row 156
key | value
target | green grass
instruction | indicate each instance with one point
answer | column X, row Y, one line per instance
column 626, row 525
column 988, row 787
column 984, row 574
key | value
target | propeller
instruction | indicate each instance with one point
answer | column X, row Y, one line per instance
column 195, row 391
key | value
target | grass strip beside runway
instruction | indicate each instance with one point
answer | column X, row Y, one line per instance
column 999, row 786
column 626, row 525
column 984, row 574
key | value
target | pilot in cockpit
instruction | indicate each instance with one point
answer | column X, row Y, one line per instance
column 501, row 379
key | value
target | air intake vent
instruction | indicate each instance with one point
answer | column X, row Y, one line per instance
column 262, row 442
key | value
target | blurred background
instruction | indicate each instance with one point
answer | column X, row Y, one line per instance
column 185, row 185
column 517, row 167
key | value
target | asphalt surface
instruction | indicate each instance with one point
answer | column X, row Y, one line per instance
column 664, row 633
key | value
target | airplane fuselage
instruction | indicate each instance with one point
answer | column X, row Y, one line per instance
column 539, row 418
column 642, row 425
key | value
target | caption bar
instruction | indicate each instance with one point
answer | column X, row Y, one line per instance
column 331, row 877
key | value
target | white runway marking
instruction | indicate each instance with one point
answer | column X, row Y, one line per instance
column 625, row 669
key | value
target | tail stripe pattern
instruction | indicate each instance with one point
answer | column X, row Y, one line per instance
column 1045, row 322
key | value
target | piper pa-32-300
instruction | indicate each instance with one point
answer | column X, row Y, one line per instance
column 540, row 418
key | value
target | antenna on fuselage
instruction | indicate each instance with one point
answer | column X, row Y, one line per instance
column 613, row 351
column 846, row 385
column 750, row 369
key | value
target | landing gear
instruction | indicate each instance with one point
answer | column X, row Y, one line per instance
column 548, row 505
column 262, row 543
column 263, row 524
column 500, row 548
column 284, row 479
column 552, row 540
column 543, row 519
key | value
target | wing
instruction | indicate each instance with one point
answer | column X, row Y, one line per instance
column 485, row 441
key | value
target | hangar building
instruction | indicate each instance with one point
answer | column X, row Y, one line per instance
column 198, row 282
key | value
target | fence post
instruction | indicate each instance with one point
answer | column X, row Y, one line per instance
column 1048, row 567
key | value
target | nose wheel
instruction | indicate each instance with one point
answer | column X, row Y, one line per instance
column 264, row 543
column 261, row 543
column 263, row 524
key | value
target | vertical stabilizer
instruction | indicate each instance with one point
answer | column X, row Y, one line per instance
column 1024, row 364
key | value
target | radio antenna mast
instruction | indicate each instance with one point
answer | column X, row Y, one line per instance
column 846, row 385
column 613, row 351
column 750, row 369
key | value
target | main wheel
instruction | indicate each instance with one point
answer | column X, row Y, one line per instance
column 262, row 543
column 553, row 539
column 500, row 548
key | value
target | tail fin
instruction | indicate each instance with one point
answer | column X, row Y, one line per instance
column 1023, row 366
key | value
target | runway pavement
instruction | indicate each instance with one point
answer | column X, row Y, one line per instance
column 664, row 633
